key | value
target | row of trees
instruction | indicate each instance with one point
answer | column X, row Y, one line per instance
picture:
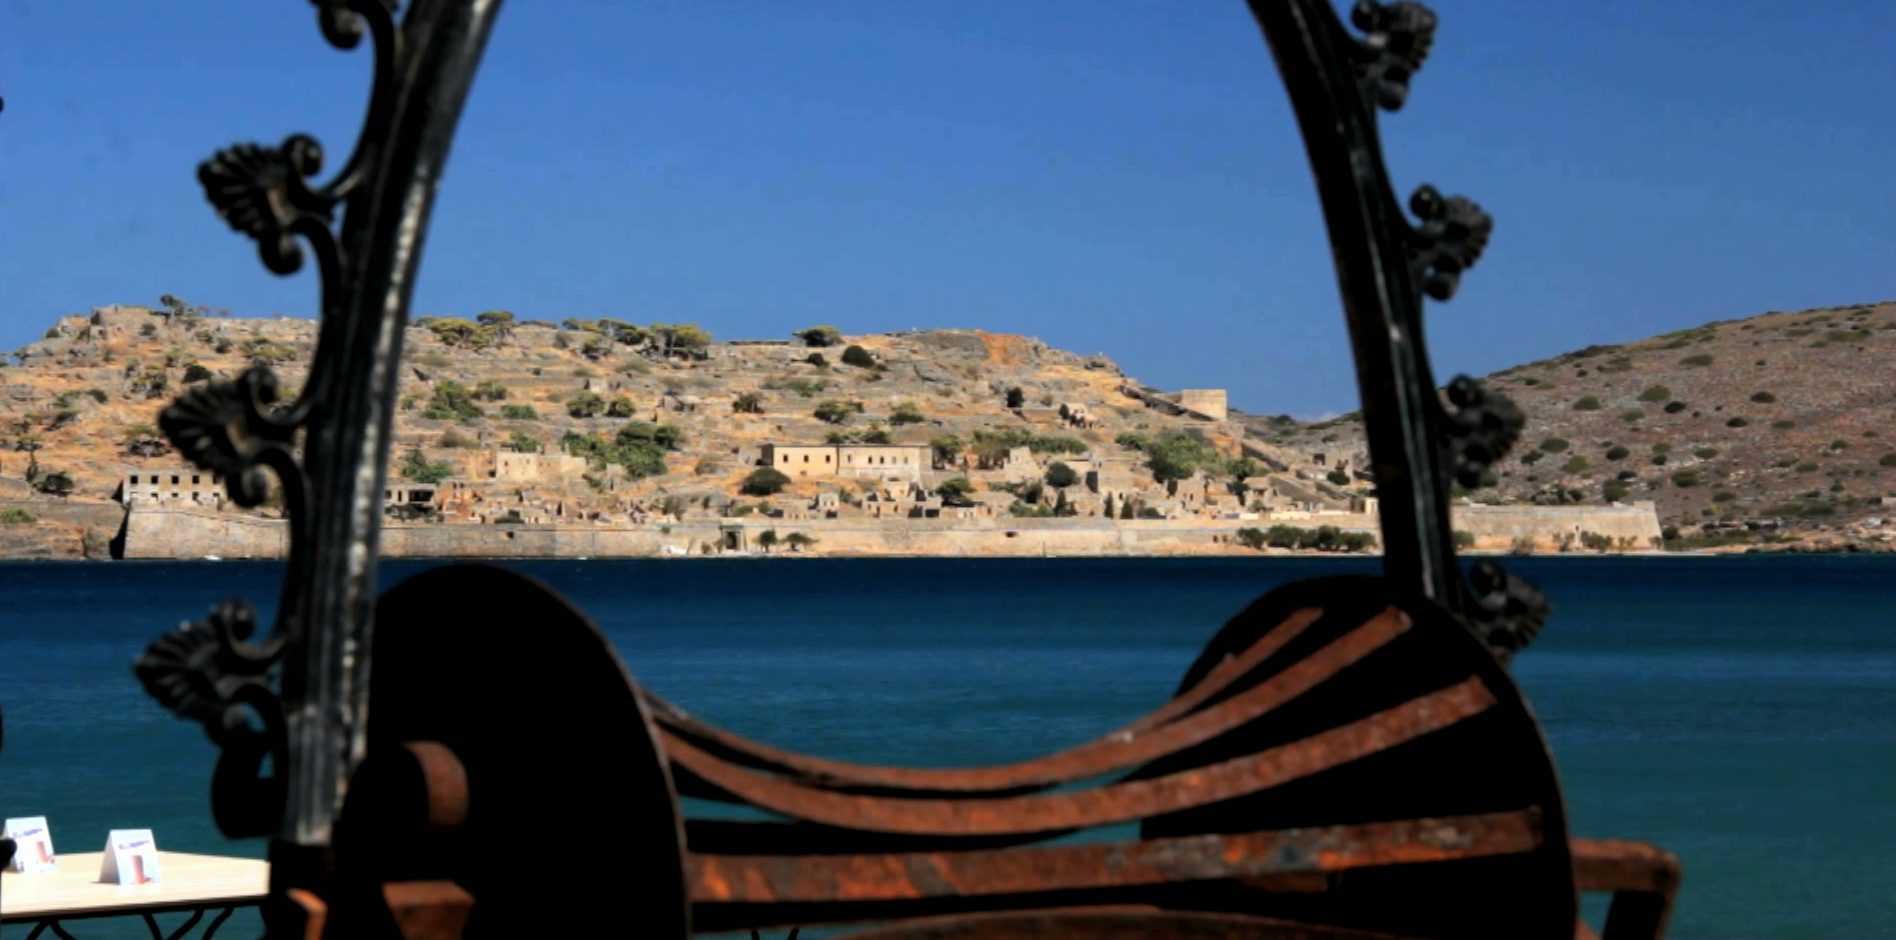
column 1327, row 538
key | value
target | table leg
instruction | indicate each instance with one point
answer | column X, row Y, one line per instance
column 53, row 925
column 178, row 934
column 218, row 921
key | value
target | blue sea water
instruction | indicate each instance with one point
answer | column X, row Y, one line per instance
column 1740, row 711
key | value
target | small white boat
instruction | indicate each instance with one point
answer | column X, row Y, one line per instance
column 212, row 558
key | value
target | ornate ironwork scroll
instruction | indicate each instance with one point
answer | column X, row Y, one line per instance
column 1419, row 445
column 328, row 448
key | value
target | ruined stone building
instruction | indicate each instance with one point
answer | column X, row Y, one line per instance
column 173, row 486
column 872, row 461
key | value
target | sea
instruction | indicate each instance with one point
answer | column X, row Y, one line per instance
column 1738, row 710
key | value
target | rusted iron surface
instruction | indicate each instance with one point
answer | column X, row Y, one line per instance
column 1116, row 803
column 1644, row 880
column 777, row 879
column 1137, row 743
column 428, row 910
column 1087, row 759
column 445, row 780
column 1111, row 923
column 1622, row 865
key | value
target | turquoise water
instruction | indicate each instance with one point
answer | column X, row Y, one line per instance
column 1740, row 711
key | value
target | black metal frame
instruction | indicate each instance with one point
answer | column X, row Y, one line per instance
column 329, row 448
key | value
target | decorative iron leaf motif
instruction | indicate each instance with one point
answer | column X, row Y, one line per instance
column 260, row 192
column 1396, row 41
column 1482, row 427
column 208, row 672
column 1451, row 238
column 226, row 427
column 1506, row 610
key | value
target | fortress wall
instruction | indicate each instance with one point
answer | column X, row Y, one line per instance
column 1499, row 526
column 185, row 533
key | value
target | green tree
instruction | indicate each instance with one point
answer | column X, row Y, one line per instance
column 767, row 539
column 522, row 443
column 858, row 357
column 1016, row 397
column 452, row 401
column 820, row 336
column 499, row 320
column 1240, row 470
column 621, row 407
column 947, row 449
column 955, row 491
column 1060, row 476
column 519, row 413
column 1337, row 478
column 907, row 413
column 1176, row 456
column 688, row 340
column 417, row 467
column 461, row 334
column 765, row 481
column 832, row 412
column 798, row 541
column 490, row 390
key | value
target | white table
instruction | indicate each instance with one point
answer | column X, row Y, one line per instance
column 194, row 883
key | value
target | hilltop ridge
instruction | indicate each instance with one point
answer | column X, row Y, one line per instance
column 1773, row 427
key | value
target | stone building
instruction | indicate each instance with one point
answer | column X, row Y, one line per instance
column 873, row 461
column 1206, row 402
column 514, row 467
column 173, row 486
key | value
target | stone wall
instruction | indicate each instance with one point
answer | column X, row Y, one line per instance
column 1498, row 527
column 1210, row 402
column 184, row 533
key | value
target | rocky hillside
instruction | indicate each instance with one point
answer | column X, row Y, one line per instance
column 1733, row 427
column 83, row 401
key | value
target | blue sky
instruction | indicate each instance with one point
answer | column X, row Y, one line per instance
column 1117, row 177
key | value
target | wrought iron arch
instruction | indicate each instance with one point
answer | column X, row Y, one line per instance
column 373, row 828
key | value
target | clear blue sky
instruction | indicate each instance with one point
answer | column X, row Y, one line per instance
column 1117, row 177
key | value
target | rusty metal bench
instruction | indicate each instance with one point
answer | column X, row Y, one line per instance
column 1347, row 758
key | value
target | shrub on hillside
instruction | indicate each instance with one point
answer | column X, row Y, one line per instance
column 1616, row 452
column 519, row 413
column 907, row 413
column 1587, row 403
column 832, row 412
column 1554, row 445
column 820, row 336
column 1763, row 398
column 858, row 357
column 1656, row 394
column 585, row 405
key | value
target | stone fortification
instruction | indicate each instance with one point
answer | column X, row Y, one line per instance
column 1630, row 525
column 192, row 533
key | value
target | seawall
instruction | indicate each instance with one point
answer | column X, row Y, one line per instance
column 194, row 533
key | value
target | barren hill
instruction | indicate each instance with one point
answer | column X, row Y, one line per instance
column 1738, row 428
column 668, row 423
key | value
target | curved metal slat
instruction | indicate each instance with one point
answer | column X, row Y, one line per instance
column 1126, row 749
column 912, row 876
column 1117, row 803
column 1085, row 760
